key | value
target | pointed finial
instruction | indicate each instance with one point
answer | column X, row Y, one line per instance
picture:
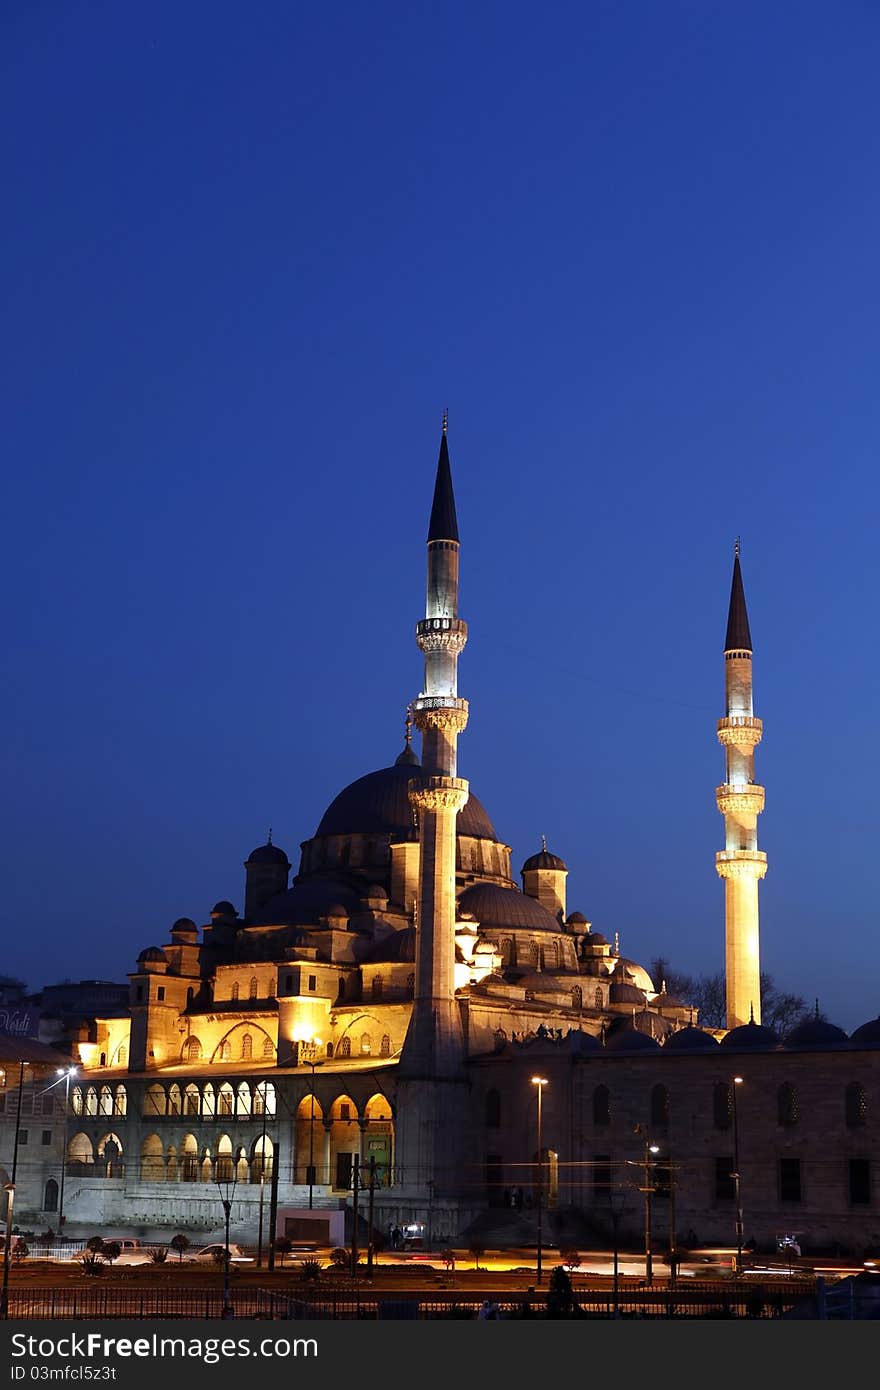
column 544, row 843
column 662, row 986
column 445, row 419
column 751, row 1011
column 617, row 943
column 409, row 724
column 736, row 548
column 269, row 841
column 692, row 1015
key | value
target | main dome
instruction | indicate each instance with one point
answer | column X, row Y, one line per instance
column 378, row 804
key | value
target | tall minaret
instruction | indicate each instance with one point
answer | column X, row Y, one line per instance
column 740, row 800
column 434, row 1046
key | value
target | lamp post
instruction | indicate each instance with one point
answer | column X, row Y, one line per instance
column 540, row 1082
column 737, row 1182
column 67, row 1073
column 650, row 1150
column 313, row 1062
column 616, row 1199
column 262, row 1182
column 226, row 1186
column 9, row 1189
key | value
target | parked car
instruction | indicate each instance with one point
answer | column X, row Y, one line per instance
column 212, row 1254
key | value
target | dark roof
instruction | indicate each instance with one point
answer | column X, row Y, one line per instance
column 184, row 924
column 443, row 525
column 867, row 1034
column 814, row 1032
column 750, row 1034
column 738, row 636
column 268, row 854
column 399, row 946
column 223, row 909
column 16, row 1049
column 152, row 953
column 378, row 804
column 626, row 1038
column 544, row 860
column 690, row 1039
column 625, row 992
column 407, row 757
column 578, row 919
column 494, row 906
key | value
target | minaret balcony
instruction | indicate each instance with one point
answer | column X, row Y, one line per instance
column 447, row 713
column 441, row 635
column 740, row 799
column 740, row 731
column 741, row 863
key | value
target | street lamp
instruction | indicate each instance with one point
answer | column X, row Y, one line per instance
column 540, row 1082
column 650, row 1150
column 226, row 1186
column 67, row 1073
column 312, row 1062
column 616, row 1200
column 737, row 1184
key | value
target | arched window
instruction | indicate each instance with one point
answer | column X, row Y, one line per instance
column 340, row 994
column 329, row 1049
column 225, row 1050
column 493, row 1109
column 577, row 997
column 505, row 950
column 268, row 1049
column 550, row 956
column 722, row 1105
column 855, row 1105
column 385, row 1046
column 410, row 986
column 377, row 987
column 786, row 1105
column 597, row 998
column 236, row 990
column 152, row 1159
column 247, row 1048
column 225, row 1099
column 191, row 1100
column 659, row 1107
column 345, row 1047
column 120, row 1101
column 253, row 987
column 192, row 1049
column 366, row 1044
column 76, row 1100
column 50, row 1196
column 105, row 1104
column 122, row 1055
column 91, row 1101
column 175, row 1100
column 601, row 1106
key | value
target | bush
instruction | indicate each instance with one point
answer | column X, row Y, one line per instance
column 95, row 1244
column 339, row 1257
column 310, row 1270
column 111, row 1250
column 20, row 1250
column 91, row 1264
column 159, row 1255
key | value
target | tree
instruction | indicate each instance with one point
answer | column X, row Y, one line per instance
column 20, row 1250
column 179, row 1243
column 111, row 1250
column 708, row 996
column 283, row 1246
column 95, row 1244
column 478, row 1250
column 561, row 1301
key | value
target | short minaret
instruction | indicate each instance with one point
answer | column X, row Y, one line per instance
column 434, row 1045
column 740, row 800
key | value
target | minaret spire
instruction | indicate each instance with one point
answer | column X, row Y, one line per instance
column 433, row 1051
column 740, row 800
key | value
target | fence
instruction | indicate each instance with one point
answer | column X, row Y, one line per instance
column 734, row 1300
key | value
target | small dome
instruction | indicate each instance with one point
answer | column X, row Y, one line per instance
column 184, row 926
column 867, row 1034
column 593, row 938
column 223, row 909
column 577, row 919
column 750, row 1034
column 268, row 854
column 629, row 1039
column 374, row 892
column 634, row 974
column 150, row 953
column 494, row 906
column 690, row 1039
column 544, row 860
column 814, row 1032
column 579, row 1041
column 337, row 910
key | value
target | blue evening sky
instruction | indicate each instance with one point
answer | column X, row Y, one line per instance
column 250, row 253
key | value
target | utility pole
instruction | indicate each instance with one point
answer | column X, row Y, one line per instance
column 355, row 1177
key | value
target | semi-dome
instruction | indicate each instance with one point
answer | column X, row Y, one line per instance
column 624, row 992
column 751, row 1034
column 268, row 854
column 814, row 1032
column 634, row 974
column 378, row 804
column 690, row 1039
column 151, row 953
column 867, row 1034
column 544, row 860
column 494, row 906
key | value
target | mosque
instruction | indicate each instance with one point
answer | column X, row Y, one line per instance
column 405, row 1027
